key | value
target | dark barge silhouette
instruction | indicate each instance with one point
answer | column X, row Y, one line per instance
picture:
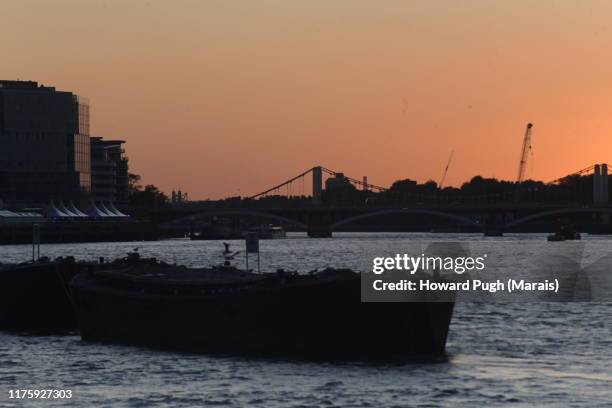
column 34, row 295
column 230, row 311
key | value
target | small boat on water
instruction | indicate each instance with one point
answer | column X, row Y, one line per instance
column 269, row 231
column 235, row 312
column 34, row 295
column 564, row 233
column 216, row 229
column 221, row 230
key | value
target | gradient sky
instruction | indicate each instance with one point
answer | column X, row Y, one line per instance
column 227, row 97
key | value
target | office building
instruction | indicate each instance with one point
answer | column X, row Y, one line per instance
column 44, row 145
column 109, row 171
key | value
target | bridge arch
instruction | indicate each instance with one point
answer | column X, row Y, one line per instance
column 221, row 213
column 543, row 214
column 417, row 211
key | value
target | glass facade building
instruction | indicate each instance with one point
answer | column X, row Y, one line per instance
column 82, row 150
column 44, row 145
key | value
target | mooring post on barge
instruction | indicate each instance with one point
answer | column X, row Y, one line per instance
column 252, row 246
column 35, row 242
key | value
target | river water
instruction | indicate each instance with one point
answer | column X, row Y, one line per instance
column 527, row 354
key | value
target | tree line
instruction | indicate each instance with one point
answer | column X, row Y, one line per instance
column 575, row 189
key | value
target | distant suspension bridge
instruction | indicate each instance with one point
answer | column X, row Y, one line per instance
column 317, row 173
column 296, row 186
column 320, row 220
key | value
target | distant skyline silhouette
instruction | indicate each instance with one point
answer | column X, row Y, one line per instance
column 227, row 97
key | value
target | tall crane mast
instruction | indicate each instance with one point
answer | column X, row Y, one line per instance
column 523, row 161
column 450, row 158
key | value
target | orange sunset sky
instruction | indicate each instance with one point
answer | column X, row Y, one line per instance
column 231, row 97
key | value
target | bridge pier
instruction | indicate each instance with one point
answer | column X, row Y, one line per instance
column 493, row 226
column 493, row 232
column 319, row 231
column 319, row 225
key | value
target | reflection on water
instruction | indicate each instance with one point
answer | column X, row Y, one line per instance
column 530, row 354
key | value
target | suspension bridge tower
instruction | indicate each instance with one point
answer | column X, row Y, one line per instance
column 600, row 184
column 317, row 184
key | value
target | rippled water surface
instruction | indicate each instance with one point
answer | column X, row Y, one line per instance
column 534, row 354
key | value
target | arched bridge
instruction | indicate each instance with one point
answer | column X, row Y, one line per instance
column 317, row 221
column 240, row 213
column 562, row 211
column 412, row 211
column 322, row 221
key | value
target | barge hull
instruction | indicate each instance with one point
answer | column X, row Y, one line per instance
column 34, row 297
column 325, row 319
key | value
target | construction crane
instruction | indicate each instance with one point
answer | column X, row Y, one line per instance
column 523, row 161
column 450, row 158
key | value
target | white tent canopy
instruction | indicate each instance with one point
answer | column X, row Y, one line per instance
column 111, row 207
column 94, row 212
column 75, row 210
column 109, row 213
column 65, row 210
column 53, row 212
